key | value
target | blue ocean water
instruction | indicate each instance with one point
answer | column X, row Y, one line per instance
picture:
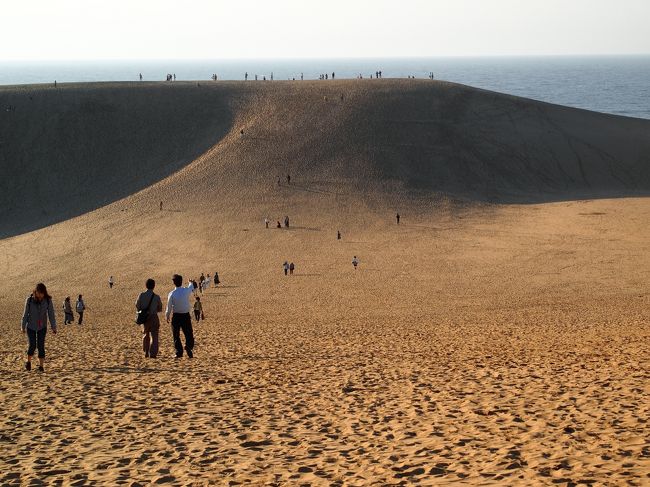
column 610, row 84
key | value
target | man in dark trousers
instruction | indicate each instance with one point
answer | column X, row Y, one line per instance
column 178, row 309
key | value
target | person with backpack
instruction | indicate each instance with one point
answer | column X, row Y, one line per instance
column 38, row 310
column 148, row 306
column 198, row 309
column 81, row 307
column 67, row 311
column 178, row 311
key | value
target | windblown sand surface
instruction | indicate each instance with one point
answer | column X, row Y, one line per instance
column 491, row 343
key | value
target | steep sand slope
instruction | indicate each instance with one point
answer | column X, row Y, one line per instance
column 68, row 150
column 478, row 343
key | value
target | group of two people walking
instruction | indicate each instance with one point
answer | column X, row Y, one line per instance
column 177, row 312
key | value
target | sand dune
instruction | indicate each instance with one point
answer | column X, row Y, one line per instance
column 479, row 343
column 69, row 150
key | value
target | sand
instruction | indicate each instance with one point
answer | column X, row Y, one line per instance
column 480, row 342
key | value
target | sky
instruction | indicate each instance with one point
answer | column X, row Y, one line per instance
column 225, row 29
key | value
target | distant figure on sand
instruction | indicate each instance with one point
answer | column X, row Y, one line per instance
column 288, row 178
column 161, row 206
column 178, row 310
column 292, row 267
column 67, row 311
column 338, row 235
column 355, row 262
column 216, row 279
column 198, row 309
column 80, row 307
column 397, row 218
column 279, row 225
column 140, row 76
column 285, row 266
column 152, row 305
column 110, row 282
column 286, row 221
column 266, row 222
column 38, row 310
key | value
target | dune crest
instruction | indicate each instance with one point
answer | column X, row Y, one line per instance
column 69, row 150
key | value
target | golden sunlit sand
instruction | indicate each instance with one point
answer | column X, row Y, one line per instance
column 497, row 336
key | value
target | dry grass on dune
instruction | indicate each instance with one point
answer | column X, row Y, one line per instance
column 490, row 344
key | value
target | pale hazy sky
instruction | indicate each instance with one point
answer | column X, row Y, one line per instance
column 212, row 29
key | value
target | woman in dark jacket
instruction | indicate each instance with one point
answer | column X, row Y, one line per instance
column 38, row 310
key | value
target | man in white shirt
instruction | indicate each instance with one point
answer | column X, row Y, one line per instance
column 178, row 308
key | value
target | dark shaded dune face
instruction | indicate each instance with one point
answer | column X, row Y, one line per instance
column 493, row 147
column 69, row 150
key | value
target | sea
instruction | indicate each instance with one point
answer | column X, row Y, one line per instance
column 611, row 84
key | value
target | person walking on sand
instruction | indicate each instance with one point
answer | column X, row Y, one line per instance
column 397, row 217
column 151, row 304
column 67, row 311
column 38, row 310
column 338, row 235
column 198, row 309
column 285, row 266
column 111, row 282
column 161, row 206
column 355, row 262
column 178, row 311
column 292, row 267
column 266, row 222
column 80, row 307
column 288, row 178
